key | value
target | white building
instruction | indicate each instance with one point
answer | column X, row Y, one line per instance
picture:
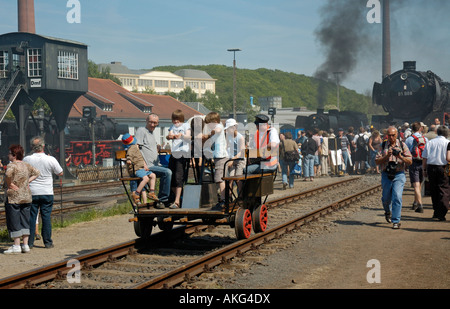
column 161, row 82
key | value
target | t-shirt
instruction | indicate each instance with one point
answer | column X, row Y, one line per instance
column 147, row 141
column 180, row 144
column 216, row 146
column 47, row 166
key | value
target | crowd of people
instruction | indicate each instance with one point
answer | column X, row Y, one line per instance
column 421, row 151
column 390, row 152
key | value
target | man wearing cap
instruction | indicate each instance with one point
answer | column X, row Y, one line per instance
column 235, row 148
column 265, row 140
column 147, row 142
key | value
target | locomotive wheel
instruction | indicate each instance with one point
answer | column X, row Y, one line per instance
column 259, row 218
column 243, row 223
column 143, row 228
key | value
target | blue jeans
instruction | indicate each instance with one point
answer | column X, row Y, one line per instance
column 309, row 166
column 165, row 177
column 392, row 194
column 346, row 160
column 256, row 169
column 284, row 172
column 44, row 204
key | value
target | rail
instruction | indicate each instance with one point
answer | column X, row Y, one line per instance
column 174, row 277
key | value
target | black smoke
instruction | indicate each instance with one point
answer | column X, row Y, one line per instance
column 342, row 34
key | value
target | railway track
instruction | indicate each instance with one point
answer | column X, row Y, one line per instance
column 185, row 252
column 72, row 202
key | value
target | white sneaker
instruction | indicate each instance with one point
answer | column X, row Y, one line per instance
column 25, row 248
column 13, row 250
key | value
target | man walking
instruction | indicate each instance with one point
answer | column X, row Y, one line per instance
column 434, row 163
column 393, row 158
column 42, row 190
column 416, row 143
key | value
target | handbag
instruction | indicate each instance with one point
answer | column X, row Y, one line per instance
column 292, row 155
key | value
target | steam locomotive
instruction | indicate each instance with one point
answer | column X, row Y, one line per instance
column 334, row 119
column 78, row 138
column 410, row 95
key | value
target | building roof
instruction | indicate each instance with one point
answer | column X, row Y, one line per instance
column 126, row 104
column 194, row 74
column 164, row 106
column 117, row 67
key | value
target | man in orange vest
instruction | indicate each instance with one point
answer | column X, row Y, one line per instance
column 265, row 141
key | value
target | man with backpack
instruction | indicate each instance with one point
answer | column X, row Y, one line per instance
column 416, row 144
column 360, row 141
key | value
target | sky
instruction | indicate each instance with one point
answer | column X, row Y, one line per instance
column 281, row 34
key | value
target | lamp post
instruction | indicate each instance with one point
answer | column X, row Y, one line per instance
column 234, row 50
column 336, row 74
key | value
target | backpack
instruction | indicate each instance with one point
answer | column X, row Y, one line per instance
column 361, row 143
column 418, row 147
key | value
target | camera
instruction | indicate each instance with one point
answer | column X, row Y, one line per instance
column 391, row 169
column 395, row 152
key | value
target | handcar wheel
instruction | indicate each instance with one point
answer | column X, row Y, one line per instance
column 243, row 223
column 164, row 226
column 143, row 228
column 259, row 218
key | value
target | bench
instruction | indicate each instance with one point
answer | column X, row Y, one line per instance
column 121, row 155
column 244, row 177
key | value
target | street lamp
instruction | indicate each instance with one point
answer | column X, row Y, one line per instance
column 336, row 74
column 234, row 50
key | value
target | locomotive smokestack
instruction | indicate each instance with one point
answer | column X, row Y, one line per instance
column 25, row 10
column 386, row 69
column 409, row 65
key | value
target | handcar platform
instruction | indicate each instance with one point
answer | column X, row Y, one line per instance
column 243, row 207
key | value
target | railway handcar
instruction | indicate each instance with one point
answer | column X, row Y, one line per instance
column 243, row 209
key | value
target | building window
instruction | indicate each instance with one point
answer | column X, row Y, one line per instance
column 4, row 60
column 146, row 83
column 162, row 83
column 34, row 62
column 128, row 82
column 177, row 84
column 192, row 85
column 67, row 65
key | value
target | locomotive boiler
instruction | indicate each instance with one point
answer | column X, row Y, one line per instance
column 410, row 95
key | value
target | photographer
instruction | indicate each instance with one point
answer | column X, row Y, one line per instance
column 393, row 158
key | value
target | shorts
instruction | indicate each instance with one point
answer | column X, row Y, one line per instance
column 316, row 160
column 219, row 165
column 142, row 173
column 18, row 219
column 416, row 172
column 178, row 168
column 237, row 168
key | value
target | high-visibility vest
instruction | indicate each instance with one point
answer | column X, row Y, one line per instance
column 272, row 160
